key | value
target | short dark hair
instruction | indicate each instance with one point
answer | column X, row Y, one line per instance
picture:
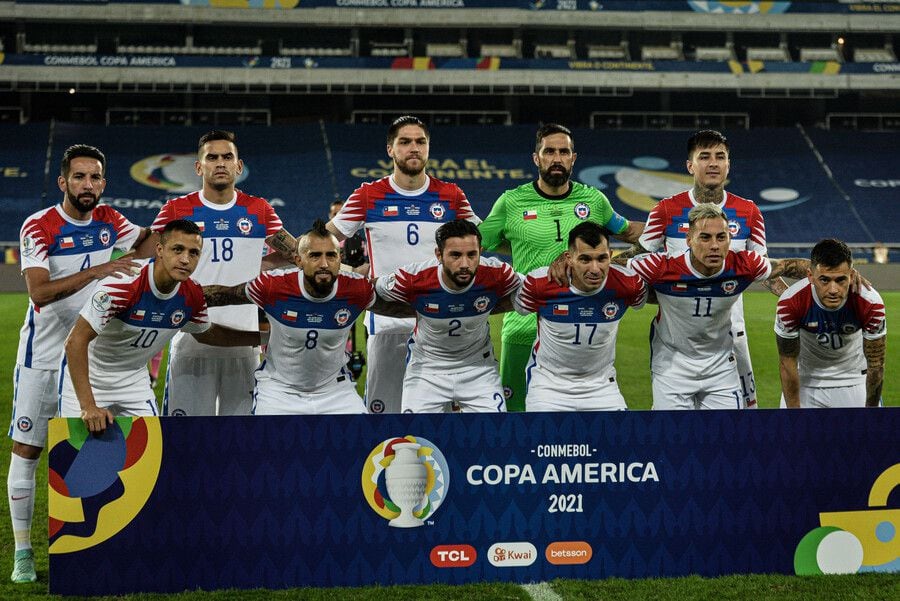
column 590, row 233
column 318, row 229
column 403, row 121
column 830, row 253
column 217, row 134
column 179, row 225
column 458, row 228
column 706, row 138
column 81, row 150
column 338, row 203
column 548, row 129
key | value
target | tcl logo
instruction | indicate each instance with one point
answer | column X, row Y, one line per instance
column 453, row 556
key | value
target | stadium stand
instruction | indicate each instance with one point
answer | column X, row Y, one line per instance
column 848, row 194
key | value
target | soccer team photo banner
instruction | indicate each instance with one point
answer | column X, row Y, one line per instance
column 277, row 502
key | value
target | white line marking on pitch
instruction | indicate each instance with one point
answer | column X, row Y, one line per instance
column 541, row 591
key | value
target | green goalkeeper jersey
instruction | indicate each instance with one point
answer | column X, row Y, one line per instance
column 536, row 227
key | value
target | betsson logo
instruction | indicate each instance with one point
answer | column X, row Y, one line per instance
column 568, row 552
column 453, row 556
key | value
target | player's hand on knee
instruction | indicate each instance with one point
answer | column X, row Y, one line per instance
column 96, row 419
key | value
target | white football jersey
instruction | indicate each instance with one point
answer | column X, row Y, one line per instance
column 234, row 237
column 690, row 335
column 400, row 226
column 134, row 321
column 575, row 348
column 831, row 341
column 63, row 246
column 452, row 328
column 308, row 336
column 667, row 224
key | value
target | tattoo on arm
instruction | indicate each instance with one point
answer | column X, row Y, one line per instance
column 792, row 268
column 874, row 352
column 217, row 296
column 776, row 286
column 634, row 251
column 284, row 244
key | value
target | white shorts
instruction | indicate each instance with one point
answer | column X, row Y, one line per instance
column 722, row 391
column 832, row 397
column 605, row 398
column 35, row 400
column 194, row 383
column 386, row 366
column 338, row 397
column 475, row 389
column 70, row 407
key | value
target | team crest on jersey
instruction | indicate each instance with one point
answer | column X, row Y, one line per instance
column 376, row 406
column 105, row 237
column 437, row 211
column 729, row 286
column 101, row 302
column 28, row 246
column 244, row 225
column 733, row 227
column 507, row 392
column 582, row 211
column 24, row 424
column 481, row 304
column 610, row 310
column 177, row 317
column 342, row 316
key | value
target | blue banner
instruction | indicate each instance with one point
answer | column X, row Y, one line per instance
column 425, row 63
column 172, row 504
column 748, row 7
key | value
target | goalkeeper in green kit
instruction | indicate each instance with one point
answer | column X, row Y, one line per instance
column 532, row 223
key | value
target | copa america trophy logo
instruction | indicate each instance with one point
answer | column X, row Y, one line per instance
column 406, row 477
column 405, row 480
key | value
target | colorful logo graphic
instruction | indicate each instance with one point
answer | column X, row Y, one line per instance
column 437, row 211
column 610, row 310
column 374, row 478
column 104, row 482
column 177, row 317
column 647, row 181
column 172, row 172
column 342, row 316
column 865, row 540
column 245, row 226
column 739, row 7
column 104, row 237
column 453, row 556
column 582, row 211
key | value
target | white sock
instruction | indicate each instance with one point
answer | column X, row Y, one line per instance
column 20, row 486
